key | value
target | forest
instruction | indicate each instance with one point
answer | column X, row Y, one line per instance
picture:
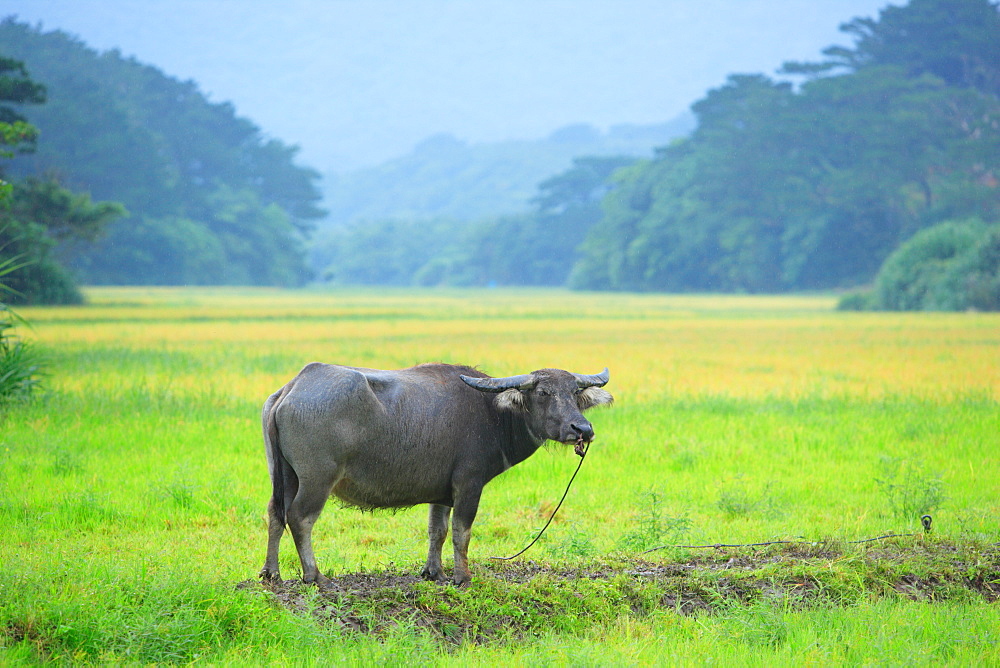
column 802, row 183
column 790, row 187
column 807, row 180
column 132, row 177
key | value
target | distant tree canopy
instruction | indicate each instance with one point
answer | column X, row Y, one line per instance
column 16, row 87
column 953, row 40
column 784, row 187
column 16, row 134
column 210, row 199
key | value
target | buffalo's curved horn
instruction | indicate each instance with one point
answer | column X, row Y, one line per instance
column 598, row 379
column 523, row 382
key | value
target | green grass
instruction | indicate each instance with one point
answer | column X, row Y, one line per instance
column 132, row 490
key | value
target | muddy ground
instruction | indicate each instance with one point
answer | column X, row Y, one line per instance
column 702, row 584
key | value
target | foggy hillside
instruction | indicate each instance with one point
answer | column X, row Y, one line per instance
column 446, row 177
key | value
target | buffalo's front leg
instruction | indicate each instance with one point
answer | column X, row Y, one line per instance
column 437, row 531
column 466, row 507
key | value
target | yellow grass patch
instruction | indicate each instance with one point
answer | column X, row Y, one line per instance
column 655, row 345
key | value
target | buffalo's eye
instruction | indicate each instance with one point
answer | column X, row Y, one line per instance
column 542, row 393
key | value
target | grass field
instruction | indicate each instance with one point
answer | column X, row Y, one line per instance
column 133, row 490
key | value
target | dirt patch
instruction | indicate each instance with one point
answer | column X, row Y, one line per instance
column 518, row 599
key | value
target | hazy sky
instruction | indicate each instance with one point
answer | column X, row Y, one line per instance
column 354, row 82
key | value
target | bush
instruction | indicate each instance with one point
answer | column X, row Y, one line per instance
column 32, row 275
column 43, row 282
column 856, row 301
column 952, row 266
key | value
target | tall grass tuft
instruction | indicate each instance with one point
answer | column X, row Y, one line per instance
column 20, row 362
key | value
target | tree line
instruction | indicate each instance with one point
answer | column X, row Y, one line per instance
column 806, row 182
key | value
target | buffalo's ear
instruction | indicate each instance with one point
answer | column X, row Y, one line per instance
column 511, row 400
column 593, row 396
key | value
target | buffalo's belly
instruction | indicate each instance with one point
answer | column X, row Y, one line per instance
column 369, row 492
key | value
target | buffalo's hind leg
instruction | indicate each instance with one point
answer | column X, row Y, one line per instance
column 275, row 528
column 281, row 498
column 302, row 515
column 437, row 531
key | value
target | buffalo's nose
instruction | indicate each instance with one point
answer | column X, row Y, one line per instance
column 584, row 429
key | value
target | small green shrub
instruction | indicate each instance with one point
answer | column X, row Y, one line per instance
column 576, row 542
column 982, row 273
column 763, row 623
column 654, row 528
column 909, row 490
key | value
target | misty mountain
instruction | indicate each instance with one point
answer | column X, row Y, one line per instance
column 444, row 177
column 355, row 84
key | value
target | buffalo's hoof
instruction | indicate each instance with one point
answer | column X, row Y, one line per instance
column 267, row 575
column 432, row 574
column 320, row 581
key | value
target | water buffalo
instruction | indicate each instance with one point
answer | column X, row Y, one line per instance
column 434, row 433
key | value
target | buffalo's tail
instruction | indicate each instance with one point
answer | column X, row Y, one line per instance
column 272, row 449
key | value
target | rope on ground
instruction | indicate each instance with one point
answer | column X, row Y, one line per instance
column 773, row 542
column 925, row 521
